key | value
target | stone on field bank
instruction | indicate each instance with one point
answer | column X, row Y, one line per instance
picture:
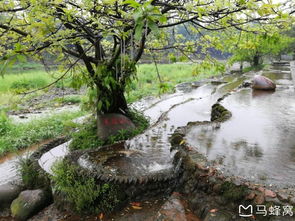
column 28, row 203
column 262, row 83
column 8, row 192
column 111, row 124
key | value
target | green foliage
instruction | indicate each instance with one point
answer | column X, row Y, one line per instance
column 171, row 75
column 110, row 84
column 22, row 66
column 87, row 137
column 209, row 66
column 145, row 16
column 32, row 177
column 104, row 33
column 140, row 121
column 25, row 80
column 233, row 193
column 22, row 135
column 5, row 123
column 254, row 68
column 164, row 87
column 82, row 191
column 24, row 84
column 245, row 46
column 71, row 99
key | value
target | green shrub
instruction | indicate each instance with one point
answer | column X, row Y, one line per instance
column 87, row 137
column 31, row 176
column 5, row 123
column 82, row 192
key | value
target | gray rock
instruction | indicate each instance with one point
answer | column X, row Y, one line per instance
column 245, row 84
column 283, row 196
column 8, row 192
column 262, row 83
column 111, row 124
column 175, row 209
column 292, row 200
column 28, row 203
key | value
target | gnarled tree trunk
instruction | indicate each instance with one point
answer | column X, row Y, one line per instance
column 256, row 60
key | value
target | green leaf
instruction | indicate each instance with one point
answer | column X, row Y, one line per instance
column 99, row 105
column 21, row 58
column 162, row 19
column 18, row 46
column 131, row 3
column 138, row 30
column 137, row 16
column 153, row 26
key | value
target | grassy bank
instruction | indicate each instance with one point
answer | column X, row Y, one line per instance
column 24, row 80
column 147, row 82
column 14, row 137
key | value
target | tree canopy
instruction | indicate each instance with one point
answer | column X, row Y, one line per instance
column 110, row 36
column 253, row 47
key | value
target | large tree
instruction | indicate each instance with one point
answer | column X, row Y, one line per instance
column 110, row 36
column 252, row 48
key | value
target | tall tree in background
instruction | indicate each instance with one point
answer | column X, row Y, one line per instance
column 252, row 48
column 109, row 36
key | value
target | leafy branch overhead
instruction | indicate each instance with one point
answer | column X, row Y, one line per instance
column 110, row 36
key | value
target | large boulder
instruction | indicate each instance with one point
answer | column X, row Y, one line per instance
column 262, row 83
column 111, row 124
column 8, row 192
column 28, row 203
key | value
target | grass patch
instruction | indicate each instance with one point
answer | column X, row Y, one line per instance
column 24, row 80
column 82, row 192
column 21, row 135
column 86, row 137
column 17, row 82
column 171, row 74
column 70, row 99
column 22, row 85
column 5, row 123
column 254, row 68
column 24, row 66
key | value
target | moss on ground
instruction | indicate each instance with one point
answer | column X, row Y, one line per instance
column 220, row 113
column 232, row 192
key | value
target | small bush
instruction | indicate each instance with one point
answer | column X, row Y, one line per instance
column 5, row 123
column 86, row 137
column 82, row 191
column 31, row 176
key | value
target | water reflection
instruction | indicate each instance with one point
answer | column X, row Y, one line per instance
column 261, row 93
column 258, row 141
